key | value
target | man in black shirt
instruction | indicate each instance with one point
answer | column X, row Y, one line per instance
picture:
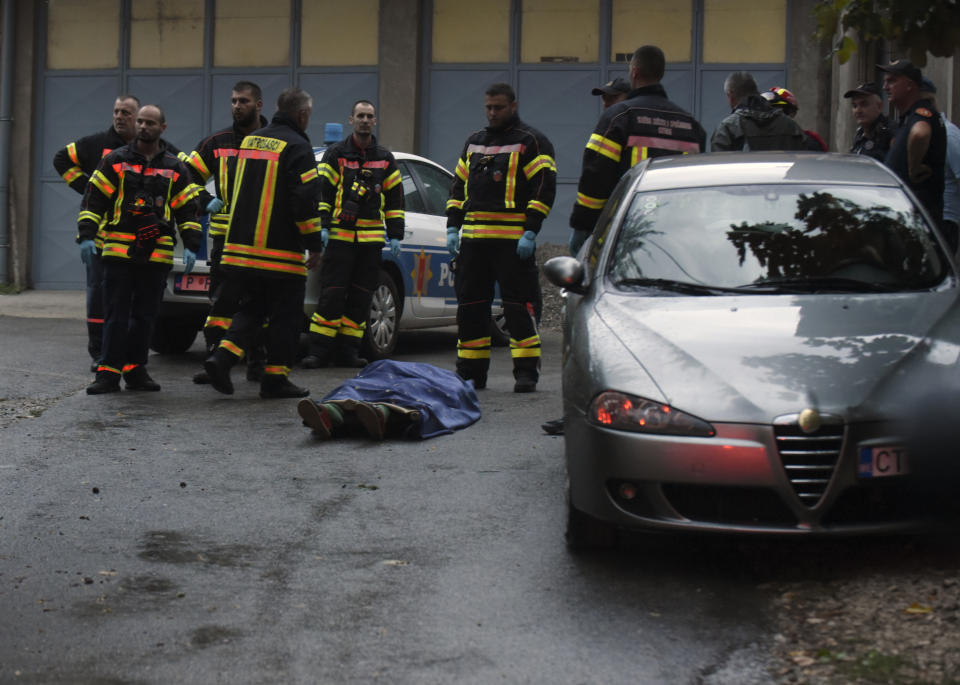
column 874, row 131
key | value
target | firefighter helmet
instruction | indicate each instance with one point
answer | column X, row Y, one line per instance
column 782, row 98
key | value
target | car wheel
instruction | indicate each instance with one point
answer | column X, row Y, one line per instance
column 585, row 533
column 173, row 335
column 383, row 325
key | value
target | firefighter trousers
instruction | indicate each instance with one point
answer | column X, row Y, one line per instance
column 95, row 306
column 132, row 294
column 482, row 264
column 348, row 276
column 265, row 297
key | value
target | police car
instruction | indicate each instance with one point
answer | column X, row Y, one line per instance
column 415, row 291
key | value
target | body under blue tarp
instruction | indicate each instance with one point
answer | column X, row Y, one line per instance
column 445, row 401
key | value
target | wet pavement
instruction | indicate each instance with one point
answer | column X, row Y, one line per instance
column 190, row 537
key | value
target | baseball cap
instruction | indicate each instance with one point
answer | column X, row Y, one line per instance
column 926, row 85
column 867, row 88
column 617, row 85
column 902, row 67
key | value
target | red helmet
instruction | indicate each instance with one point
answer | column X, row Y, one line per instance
column 782, row 98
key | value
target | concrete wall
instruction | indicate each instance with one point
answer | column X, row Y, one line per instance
column 399, row 73
column 808, row 71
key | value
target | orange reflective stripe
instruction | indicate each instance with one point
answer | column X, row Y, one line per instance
column 511, row 184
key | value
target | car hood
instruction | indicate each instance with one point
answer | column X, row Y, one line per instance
column 753, row 358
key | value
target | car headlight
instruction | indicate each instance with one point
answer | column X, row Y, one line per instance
column 619, row 411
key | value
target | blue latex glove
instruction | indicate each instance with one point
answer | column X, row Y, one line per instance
column 87, row 250
column 214, row 206
column 577, row 239
column 526, row 244
column 324, row 237
column 395, row 248
column 189, row 259
column 453, row 240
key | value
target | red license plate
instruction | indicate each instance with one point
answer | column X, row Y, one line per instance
column 191, row 283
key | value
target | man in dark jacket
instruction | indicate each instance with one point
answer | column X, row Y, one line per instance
column 76, row 163
column 644, row 125
column 874, row 131
column 505, row 184
column 753, row 124
column 275, row 216
column 131, row 201
column 361, row 200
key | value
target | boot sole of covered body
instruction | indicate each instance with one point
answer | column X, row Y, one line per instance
column 316, row 418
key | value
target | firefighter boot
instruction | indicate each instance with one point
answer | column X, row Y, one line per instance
column 255, row 364
column 201, row 377
column 104, row 382
column 526, row 373
column 217, row 367
column 475, row 370
column 277, row 387
column 347, row 353
column 137, row 378
column 319, row 354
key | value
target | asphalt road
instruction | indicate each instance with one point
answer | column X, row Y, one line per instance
column 190, row 537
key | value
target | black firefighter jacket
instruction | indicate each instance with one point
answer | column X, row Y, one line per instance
column 506, row 181
column 275, row 211
column 645, row 125
column 755, row 125
column 369, row 177
column 216, row 157
column 126, row 183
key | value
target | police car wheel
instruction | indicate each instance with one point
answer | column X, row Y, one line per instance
column 383, row 325
column 174, row 335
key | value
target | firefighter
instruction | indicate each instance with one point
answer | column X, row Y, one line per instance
column 504, row 187
column 131, row 200
column 361, row 199
column 76, row 163
column 644, row 125
column 274, row 216
column 216, row 157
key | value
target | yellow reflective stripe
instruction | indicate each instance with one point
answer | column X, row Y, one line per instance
column 462, row 171
column 267, row 253
column 218, row 322
column 87, row 215
column 496, row 216
column 104, row 367
column 72, row 153
column 392, row 180
column 349, row 332
column 71, row 174
column 323, row 330
column 539, row 206
column 182, row 156
column 604, row 146
column 526, row 342
column 185, row 195
column 369, row 223
column 233, row 348
column 265, row 215
column 102, row 183
column 196, row 161
column 308, row 176
column 309, row 226
column 518, row 352
column 394, row 214
column 325, row 207
column 539, row 163
column 492, row 231
column 263, row 264
column 276, row 370
column 473, row 354
column 329, row 172
column 474, row 343
column 509, row 195
column 454, row 204
column 590, row 202
column 190, row 226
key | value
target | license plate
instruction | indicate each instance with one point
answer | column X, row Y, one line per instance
column 879, row 462
column 191, row 283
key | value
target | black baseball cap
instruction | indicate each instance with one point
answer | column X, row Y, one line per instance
column 926, row 85
column 868, row 88
column 617, row 85
column 903, row 67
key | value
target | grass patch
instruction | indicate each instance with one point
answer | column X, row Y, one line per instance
column 9, row 289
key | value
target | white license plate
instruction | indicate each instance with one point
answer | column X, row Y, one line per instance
column 879, row 462
column 191, row 283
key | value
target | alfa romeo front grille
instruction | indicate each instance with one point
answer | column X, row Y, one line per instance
column 809, row 459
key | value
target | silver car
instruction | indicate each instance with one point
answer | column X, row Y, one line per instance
column 742, row 337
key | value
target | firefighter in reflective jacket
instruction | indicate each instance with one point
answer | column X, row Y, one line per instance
column 274, row 217
column 644, row 125
column 361, row 199
column 216, row 157
column 76, row 163
column 131, row 201
column 504, row 187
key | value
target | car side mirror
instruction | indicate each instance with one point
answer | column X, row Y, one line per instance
column 565, row 272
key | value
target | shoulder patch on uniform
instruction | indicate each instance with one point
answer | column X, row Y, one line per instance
column 924, row 112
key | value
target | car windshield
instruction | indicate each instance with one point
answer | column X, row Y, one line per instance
column 775, row 238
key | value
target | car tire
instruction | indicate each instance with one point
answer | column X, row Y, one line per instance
column 172, row 335
column 383, row 324
column 585, row 533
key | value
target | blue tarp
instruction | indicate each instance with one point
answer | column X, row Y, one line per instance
column 445, row 401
